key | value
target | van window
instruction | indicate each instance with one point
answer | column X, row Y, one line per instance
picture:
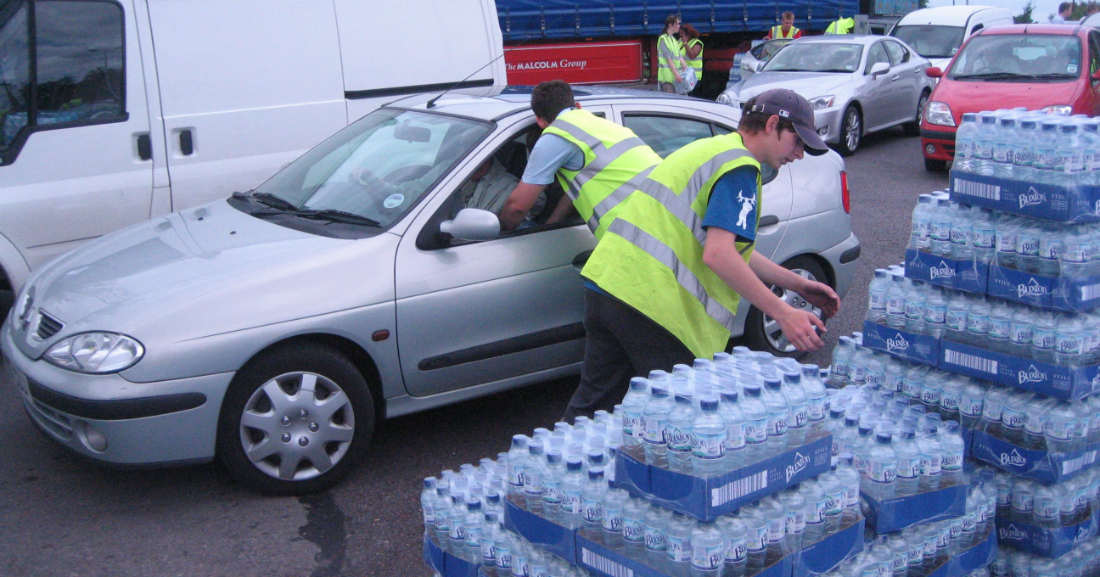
column 931, row 41
column 77, row 75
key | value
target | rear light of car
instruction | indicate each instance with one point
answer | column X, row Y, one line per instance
column 844, row 192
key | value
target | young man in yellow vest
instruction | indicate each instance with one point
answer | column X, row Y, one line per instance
column 785, row 30
column 665, row 281
column 597, row 162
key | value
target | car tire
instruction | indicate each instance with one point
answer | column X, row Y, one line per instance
column 763, row 333
column 851, row 131
column 280, row 432
column 913, row 128
column 933, row 165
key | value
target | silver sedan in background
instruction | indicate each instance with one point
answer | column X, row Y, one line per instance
column 856, row 84
column 274, row 328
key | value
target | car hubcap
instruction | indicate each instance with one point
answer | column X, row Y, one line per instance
column 297, row 426
column 772, row 331
column 851, row 136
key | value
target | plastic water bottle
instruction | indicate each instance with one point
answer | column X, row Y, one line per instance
column 1028, row 239
column 834, row 500
column 655, row 416
column 709, row 436
column 1046, row 507
column 953, row 449
column 849, row 479
column 756, row 525
column 840, row 372
column 1070, row 156
column 799, row 423
column 678, row 434
column 517, row 459
column 778, row 416
column 1023, row 161
column 735, row 543
column 1042, row 336
column 794, row 506
column 909, row 461
column 634, row 512
column 920, row 235
column 571, row 487
column 816, row 395
column 592, row 496
column 708, row 553
column 961, row 231
column 983, row 143
column 977, row 322
column 882, row 468
column 1004, row 145
column 895, row 303
column 734, row 419
column 614, row 501
column 955, row 328
column 931, row 460
column 656, row 525
column 1068, row 340
column 876, row 297
column 553, row 473
column 427, row 501
column 1046, row 153
column 1058, row 431
column 1050, row 247
column 776, row 516
column 1090, row 147
column 756, row 423
column 971, row 401
column 964, row 143
column 1005, row 240
column 1000, row 327
column 633, row 404
column 942, row 219
column 1020, row 332
column 817, row 505
column 678, row 542
column 1076, row 251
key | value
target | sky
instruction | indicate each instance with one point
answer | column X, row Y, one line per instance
column 1043, row 8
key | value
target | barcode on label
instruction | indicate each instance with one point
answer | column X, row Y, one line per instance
column 987, row 191
column 605, row 565
column 738, row 488
column 971, row 362
column 1079, row 463
column 1089, row 292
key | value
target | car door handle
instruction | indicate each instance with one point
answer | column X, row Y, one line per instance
column 580, row 259
column 768, row 220
column 894, row 79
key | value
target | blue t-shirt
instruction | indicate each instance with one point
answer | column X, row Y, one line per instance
column 550, row 153
column 732, row 206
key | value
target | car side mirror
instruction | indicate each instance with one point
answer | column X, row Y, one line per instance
column 879, row 68
column 472, row 224
column 756, row 66
column 933, row 72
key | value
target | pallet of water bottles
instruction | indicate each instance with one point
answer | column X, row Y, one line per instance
column 1035, row 461
column 1060, row 203
column 1083, row 561
column 1048, row 520
column 445, row 563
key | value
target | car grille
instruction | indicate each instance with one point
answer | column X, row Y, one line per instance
column 47, row 326
column 949, row 149
column 51, row 420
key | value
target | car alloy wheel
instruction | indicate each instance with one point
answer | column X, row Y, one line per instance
column 763, row 333
column 295, row 420
column 851, row 130
column 913, row 128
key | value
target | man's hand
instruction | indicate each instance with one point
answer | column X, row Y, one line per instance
column 798, row 327
column 821, row 296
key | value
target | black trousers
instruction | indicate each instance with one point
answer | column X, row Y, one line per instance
column 620, row 343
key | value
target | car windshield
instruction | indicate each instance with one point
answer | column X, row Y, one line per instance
column 816, row 57
column 931, row 41
column 1007, row 57
column 375, row 169
column 768, row 49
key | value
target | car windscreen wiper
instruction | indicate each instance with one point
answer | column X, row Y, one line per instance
column 1053, row 75
column 269, row 199
column 991, row 76
column 334, row 215
column 844, row 70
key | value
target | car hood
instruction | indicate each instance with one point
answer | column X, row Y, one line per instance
column 807, row 84
column 204, row 271
column 969, row 96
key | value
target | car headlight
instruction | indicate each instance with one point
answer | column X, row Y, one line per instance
column 939, row 113
column 724, row 98
column 822, row 102
column 97, row 352
column 1059, row 109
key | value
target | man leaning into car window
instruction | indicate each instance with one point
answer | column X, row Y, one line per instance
column 597, row 162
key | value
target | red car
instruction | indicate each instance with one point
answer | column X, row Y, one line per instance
column 1050, row 67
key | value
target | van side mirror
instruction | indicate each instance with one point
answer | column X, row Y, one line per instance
column 472, row 224
column 879, row 68
column 933, row 72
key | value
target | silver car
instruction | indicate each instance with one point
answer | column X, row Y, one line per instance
column 856, row 84
column 274, row 329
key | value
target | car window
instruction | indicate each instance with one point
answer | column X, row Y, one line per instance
column 1094, row 52
column 816, row 57
column 667, row 134
column 931, row 41
column 1028, row 57
column 76, row 66
column 379, row 167
column 898, row 54
column 876, row 54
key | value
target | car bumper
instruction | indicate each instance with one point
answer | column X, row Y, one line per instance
column 843, row 257
column 112, row 420
column 937, row 144
column 828, row 124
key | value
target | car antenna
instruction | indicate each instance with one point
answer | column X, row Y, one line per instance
column 431, row 102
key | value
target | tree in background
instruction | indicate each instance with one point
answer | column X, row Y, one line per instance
column 1025, row 16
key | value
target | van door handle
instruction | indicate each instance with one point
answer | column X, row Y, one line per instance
column 144, row 146
column 187, row 145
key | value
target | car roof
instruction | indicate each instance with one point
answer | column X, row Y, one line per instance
column 1057, row 29
column 944, row 15
column 864, row 39
column 498, row 102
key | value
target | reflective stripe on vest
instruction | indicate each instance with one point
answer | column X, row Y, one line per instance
column 616, row 162
column 777, row 32
column 697, row 62
column 652, row 256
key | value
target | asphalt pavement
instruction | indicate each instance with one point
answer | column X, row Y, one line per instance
column 63, row 516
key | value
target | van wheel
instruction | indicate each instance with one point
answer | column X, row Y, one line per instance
column 913, row 128
column 851, row 131
column 295, row 420
column 763, row 333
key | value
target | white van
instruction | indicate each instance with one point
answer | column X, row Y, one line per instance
column 116, row 111
column 938, row 33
